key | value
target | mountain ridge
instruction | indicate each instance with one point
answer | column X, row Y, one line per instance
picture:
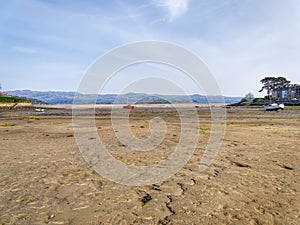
column 67, row 97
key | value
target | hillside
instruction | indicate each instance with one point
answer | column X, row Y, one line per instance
column 9, row 99
column 59, row 97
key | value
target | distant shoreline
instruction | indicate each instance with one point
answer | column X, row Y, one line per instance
column 108, row 106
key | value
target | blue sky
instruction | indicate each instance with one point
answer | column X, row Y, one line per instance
column 49, row 44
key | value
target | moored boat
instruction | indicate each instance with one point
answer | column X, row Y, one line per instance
column 128, row 107
column 274, row 107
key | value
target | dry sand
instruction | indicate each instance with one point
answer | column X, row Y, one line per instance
column 255, row 179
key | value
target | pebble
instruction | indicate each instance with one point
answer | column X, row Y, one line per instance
column 51, row 217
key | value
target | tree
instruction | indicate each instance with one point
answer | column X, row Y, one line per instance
column 271, row 83
column 268, row 84
column 281, row 82
column 249, row 97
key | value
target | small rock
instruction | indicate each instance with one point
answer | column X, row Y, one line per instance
column 156, row 187
column 145, row 199
column 288, row 167
column 51, row 217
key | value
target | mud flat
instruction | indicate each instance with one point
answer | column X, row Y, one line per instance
column 255, row 179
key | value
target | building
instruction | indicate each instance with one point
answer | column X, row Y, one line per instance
column 289, row 92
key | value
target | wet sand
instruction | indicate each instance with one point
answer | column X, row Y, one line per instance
column 255, row 179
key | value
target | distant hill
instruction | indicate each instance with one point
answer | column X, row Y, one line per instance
column 60, row 97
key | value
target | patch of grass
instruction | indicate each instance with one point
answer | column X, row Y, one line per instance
column 292, row 107
column 203, row 131
column 231, row 126
column 282, row 130
column 7, row 124
column 278, row 130
column 254, row 125
column 29, row 117
column 253, row 106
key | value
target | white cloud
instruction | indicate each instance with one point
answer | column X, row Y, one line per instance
column 241, row 41
column 174, row 8
column 24, row 50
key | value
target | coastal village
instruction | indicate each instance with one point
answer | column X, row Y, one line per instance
column 290, row 92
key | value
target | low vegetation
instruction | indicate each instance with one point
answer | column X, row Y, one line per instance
column 8, row 99
column 7, row 124
column 296, row 107
column 203, row 131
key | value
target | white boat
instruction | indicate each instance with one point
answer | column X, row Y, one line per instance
column 39, row 110
column 274, row 107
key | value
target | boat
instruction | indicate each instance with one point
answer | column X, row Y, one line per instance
column 128, row 107
column 274, row 107
column 226, row 106
column 39, row 110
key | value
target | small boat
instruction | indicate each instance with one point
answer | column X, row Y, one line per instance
column 128, row 107
column 274, row 107
column 226, row 106
column 39, row 110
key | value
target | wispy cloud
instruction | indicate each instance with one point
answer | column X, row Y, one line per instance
column 239, row 40
column 174, row 8
column 25, row 50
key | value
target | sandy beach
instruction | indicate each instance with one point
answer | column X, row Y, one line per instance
column 255, row 179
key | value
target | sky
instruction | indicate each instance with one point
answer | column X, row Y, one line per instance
column 50, row 44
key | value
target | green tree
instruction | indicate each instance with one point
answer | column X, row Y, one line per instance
column 271, row 83
column 281, row 82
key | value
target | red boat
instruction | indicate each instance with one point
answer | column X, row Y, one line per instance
column 128, row 107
